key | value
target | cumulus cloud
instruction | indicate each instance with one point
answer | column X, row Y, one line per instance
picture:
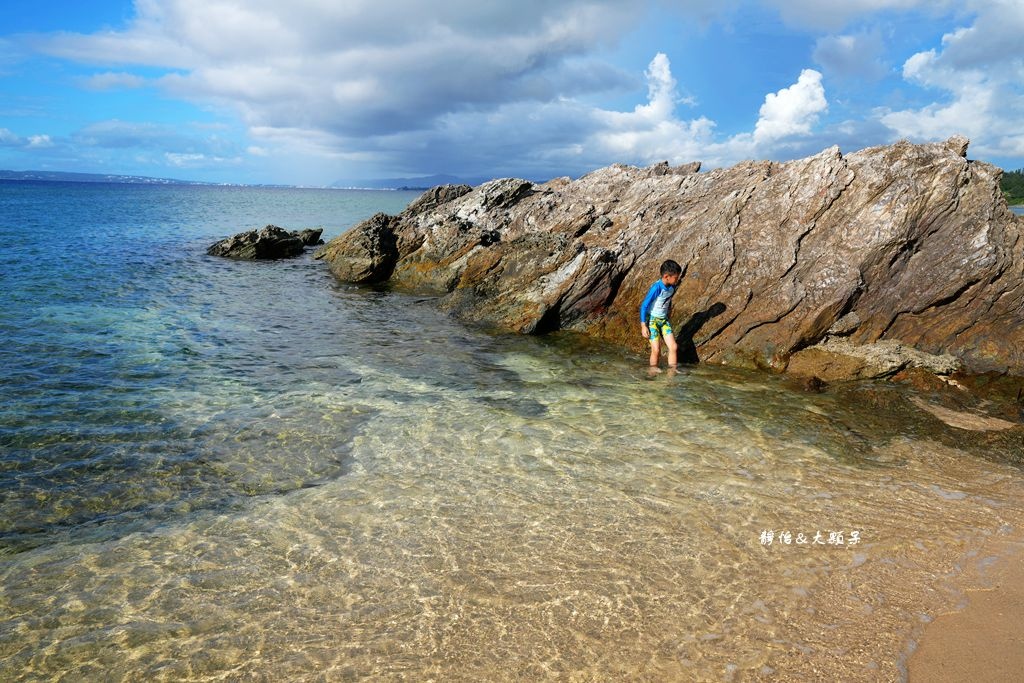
column 793, row 110
column 981, row 70
column 351, row 69
column 35, row 142
column 653, row 131
column 566, row 136
column 992, row 42
column 488, row 88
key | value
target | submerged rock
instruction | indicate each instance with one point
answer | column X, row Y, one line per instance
column 906, row 245
column 270, row 242
column 834, row 359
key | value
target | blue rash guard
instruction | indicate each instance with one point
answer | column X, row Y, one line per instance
column 657, row 302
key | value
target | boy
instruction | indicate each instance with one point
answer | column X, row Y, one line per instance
column 655, row 311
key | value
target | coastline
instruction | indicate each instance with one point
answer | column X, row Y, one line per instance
column 984, row 639
column 548, row 556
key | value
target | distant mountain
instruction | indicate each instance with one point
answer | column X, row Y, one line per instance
column 419, row 183
column 60, row 176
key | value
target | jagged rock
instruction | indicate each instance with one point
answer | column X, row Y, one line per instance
column 310, row 236
column 368, row 255
column 910, row 244
column 436, row 196
column 270, row 242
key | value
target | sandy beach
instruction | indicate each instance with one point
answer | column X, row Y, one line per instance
column 985, row 640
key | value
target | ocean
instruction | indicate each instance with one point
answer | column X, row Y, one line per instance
column 223, row 470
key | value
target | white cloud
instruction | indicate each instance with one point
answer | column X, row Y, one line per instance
column 793, row 110
column 182, row 160
column 197, row 160
column 9, row 139
column 653, row 133
column 992, row 42
column 566, row 136
column 352, row 69
column 493, row 88
column 40, row 141
column 981, row 70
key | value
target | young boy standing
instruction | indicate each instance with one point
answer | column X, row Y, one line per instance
column 655, row 311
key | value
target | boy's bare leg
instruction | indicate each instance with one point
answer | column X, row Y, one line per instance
column 655, row 351
column 673, row 350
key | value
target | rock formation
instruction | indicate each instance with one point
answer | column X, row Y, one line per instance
column 270, row 242
column 801, row 263
column 310, row 236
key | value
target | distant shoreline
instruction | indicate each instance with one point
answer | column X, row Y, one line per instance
column 166, row 182
column 61, row 176
column 420, row 184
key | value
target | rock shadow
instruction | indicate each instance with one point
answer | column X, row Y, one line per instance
column 687, row 349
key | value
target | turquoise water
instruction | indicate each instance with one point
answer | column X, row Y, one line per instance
column 215, row 469
column 133, row 367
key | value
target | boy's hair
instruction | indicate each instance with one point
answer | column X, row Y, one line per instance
column 670, row 267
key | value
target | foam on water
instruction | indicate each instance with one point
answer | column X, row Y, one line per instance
column 235, row 470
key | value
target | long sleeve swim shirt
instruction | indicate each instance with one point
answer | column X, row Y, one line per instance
column 657, row 301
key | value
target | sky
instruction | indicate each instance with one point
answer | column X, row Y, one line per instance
column 308, row 92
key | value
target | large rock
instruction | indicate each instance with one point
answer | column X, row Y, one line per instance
column 908, row 244
column 367, row 254
column 270, row 242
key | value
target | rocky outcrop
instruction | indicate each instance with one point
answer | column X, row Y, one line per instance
column 270, row 242
column 367, row 254
column 784, row 263
column 310, row 236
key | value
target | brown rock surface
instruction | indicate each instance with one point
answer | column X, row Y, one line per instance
column 907, row 244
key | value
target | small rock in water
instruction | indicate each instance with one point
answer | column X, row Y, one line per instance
column 270, row 242
column 814, row 384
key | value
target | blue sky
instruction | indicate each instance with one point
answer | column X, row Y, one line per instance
column 311, row 91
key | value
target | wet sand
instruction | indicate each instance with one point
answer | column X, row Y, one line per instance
column 985, row 640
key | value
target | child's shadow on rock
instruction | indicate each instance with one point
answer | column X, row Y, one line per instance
column 687, row 349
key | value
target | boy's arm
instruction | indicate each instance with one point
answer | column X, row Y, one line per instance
column 645, row 309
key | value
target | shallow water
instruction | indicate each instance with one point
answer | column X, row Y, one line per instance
column 224, row 470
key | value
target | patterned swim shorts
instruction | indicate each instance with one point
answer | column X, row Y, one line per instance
column 659, row 326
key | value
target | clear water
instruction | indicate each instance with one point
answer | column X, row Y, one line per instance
column 221, row 470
